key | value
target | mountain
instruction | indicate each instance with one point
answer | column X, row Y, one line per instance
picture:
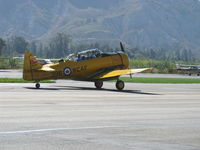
column 139, row 23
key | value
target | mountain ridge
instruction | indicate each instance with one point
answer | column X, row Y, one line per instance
column 139, row 23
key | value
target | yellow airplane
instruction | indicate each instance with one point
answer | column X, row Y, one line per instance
column 90, row 65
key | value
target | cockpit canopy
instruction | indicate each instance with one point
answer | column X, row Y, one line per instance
column 89, row 54
column 85, row 55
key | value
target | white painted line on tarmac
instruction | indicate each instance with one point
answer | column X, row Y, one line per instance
column 96, row 127
column 63, row 129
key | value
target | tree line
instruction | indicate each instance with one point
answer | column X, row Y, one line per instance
column 61, row 45
column 58, row 47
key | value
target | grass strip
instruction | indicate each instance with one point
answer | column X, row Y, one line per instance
column 161, row 80
column 125, row 79
column 18, row 80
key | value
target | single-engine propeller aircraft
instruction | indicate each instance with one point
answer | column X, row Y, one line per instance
column 188, row 69
column 90, row 65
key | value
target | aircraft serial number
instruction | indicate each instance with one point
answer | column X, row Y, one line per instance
column 79, row 69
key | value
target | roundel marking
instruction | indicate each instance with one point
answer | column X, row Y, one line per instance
column 67, row 71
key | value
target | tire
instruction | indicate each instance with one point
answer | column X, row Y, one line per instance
column 98, row 84
column 37, row 85
column 120, row 85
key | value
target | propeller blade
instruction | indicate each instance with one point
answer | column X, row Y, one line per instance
column 122, row 47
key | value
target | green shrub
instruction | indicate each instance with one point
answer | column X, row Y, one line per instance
column 10, row 63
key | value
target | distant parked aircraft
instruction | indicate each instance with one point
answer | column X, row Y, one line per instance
column 188, row 69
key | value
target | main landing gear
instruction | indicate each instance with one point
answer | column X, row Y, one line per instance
column 98, row 84
column 119, row 84
column 37, row 85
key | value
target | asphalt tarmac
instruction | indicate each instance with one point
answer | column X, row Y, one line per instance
column 70, row 115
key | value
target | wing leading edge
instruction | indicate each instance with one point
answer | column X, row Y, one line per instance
column 116, row 73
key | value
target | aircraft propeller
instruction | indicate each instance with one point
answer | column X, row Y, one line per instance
column 122, row 47
column 123, row 50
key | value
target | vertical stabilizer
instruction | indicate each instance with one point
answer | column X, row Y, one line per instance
column 30, row 64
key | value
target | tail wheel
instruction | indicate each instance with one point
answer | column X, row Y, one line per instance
column 120, row 85
column 37, row 85
column 98, row 84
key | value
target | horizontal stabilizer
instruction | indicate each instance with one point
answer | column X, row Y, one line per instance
column 46, row 68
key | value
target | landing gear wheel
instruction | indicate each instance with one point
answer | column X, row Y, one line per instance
column 120, row 85
column 98, row 84
column 37, row 85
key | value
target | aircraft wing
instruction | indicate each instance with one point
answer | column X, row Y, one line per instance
column 116, row 73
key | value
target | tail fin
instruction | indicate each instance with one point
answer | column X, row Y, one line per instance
column 30, row 63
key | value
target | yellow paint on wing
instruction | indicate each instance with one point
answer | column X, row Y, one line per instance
column 116, row 73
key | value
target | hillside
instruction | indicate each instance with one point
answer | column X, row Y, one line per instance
column 139, row 23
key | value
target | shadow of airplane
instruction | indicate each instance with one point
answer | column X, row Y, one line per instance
column 42, row 89
column 94, row 89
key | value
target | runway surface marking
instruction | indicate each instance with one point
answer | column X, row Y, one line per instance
column 94, row 127
column 62, row 129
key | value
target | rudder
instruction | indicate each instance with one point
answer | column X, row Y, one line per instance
column 30, row 64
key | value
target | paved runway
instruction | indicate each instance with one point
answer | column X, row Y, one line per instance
column 10, row 73
column 70, row 115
